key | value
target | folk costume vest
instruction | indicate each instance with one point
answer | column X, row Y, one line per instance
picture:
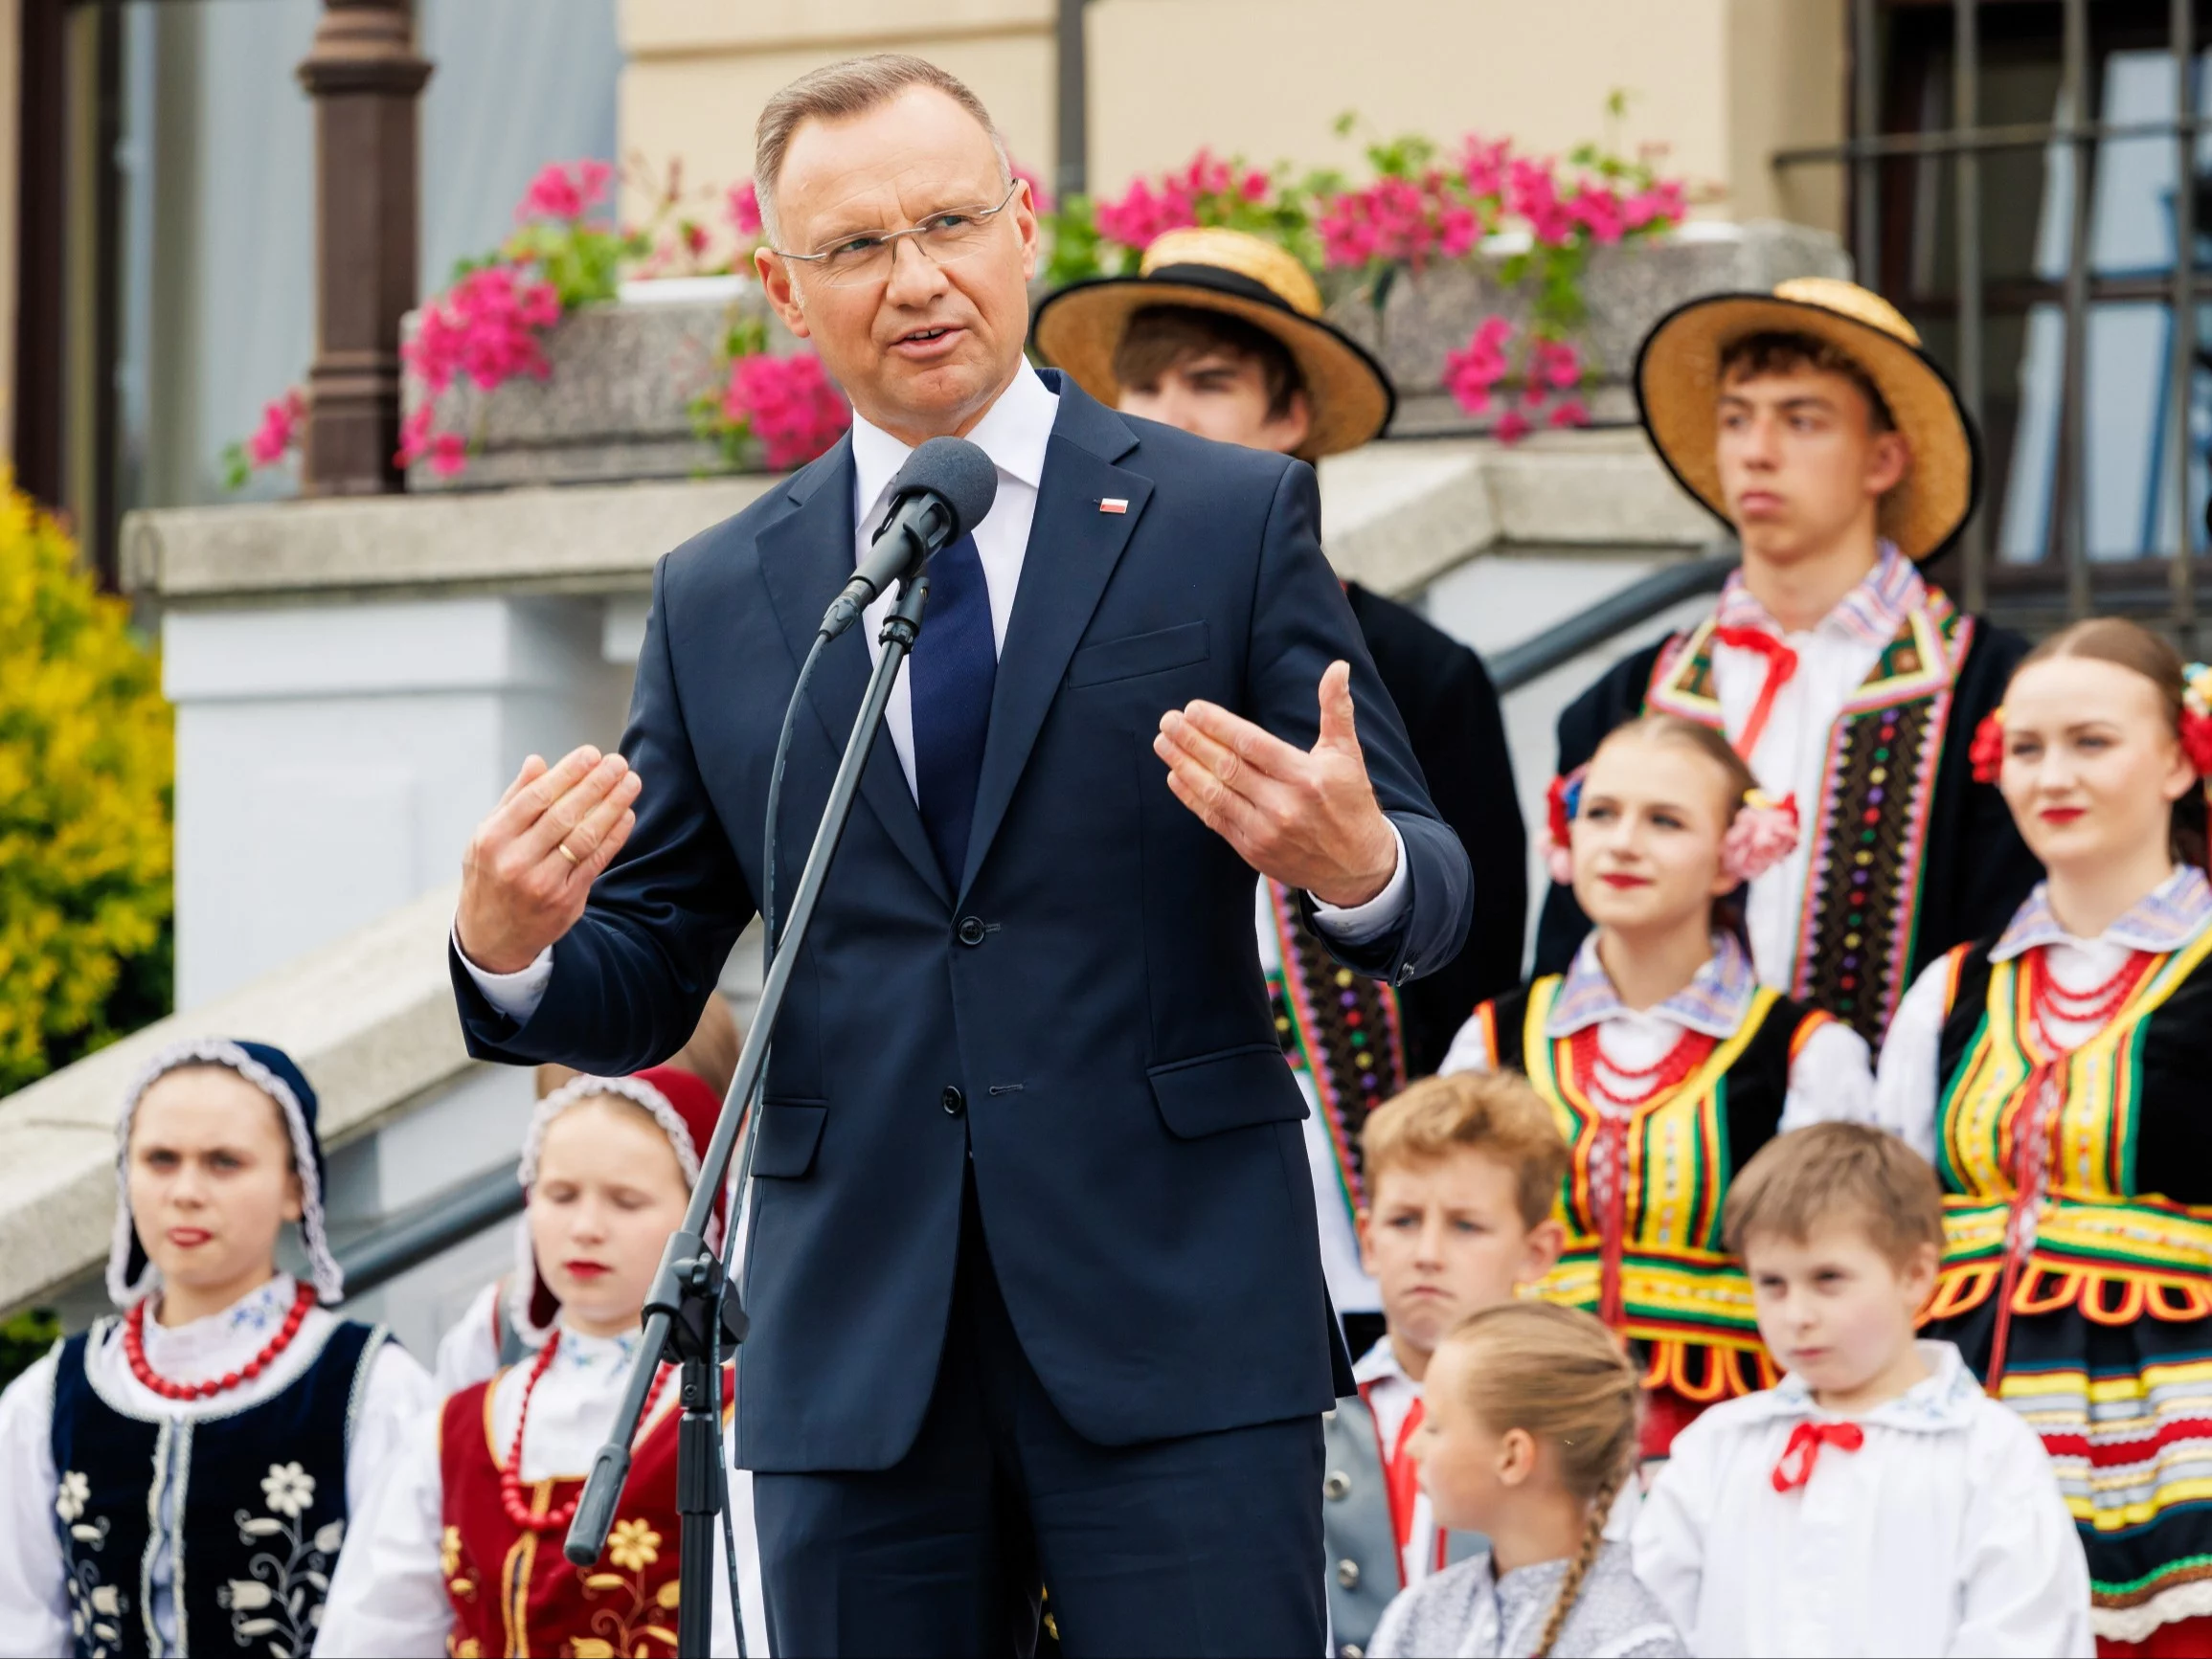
column 2104, row 1320
column 1868, row 828
column 249, row 1507
column 512, row 1590
column 1674, row 1287
column 1343, row 1031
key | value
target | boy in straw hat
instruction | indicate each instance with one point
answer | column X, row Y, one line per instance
column 1813, row 425
column 1221, row 334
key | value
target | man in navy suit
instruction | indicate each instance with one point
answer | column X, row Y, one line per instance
column 1034, row 1283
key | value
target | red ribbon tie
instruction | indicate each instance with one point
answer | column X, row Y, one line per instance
column 1795, row 1468
column 1781, row 666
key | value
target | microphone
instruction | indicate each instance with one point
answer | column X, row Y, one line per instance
column 942, row 492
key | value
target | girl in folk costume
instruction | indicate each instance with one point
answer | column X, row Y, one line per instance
column 181, row 1479
column 1812, row 424
column 1666, row 1062
column 2055, row 1075
column 1530, row 1436
column 461, row 1551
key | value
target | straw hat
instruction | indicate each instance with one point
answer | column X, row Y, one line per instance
column 1678, row 393
column 1078, row 329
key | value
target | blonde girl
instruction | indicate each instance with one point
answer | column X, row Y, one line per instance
column 1530, row 1435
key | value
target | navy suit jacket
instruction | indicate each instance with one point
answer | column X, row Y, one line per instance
column 1137, row 1159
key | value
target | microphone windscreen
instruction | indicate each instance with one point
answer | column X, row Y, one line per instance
column 957, row 471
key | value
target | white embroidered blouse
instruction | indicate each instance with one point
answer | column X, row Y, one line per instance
column 1907, row 1090
column 1830, row 1077
column 388, row 1597
column 35, row 1608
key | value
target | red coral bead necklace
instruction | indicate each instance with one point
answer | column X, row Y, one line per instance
column 517, row 1507
column 134, row 1351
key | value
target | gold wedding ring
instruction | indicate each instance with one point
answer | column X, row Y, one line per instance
column 566, row 853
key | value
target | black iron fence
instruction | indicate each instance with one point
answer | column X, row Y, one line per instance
column 2044, row 241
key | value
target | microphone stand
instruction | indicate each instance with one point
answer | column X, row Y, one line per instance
column 690, row 1290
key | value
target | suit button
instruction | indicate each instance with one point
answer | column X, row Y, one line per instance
column 1348, row 1575
column 1337, row 1486
column 953, row 1101
column 970, row 931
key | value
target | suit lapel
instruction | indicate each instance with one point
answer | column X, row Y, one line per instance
column 806, row 558
column 1073, row 549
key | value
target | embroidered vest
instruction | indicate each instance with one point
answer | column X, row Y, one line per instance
column 252, row 1529
column 1857, row 920
column 512, row 1590
column 1680, row 1293
column 1343, row 1030
column 2126, row 1229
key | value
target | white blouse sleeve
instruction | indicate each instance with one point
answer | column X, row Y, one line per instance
column 34, row 1592
column 2025, row 1584
column 1832, row 1077
column 1671, row 1529
column 1470, row 1049
column 398, row 1402
column 468, row 1354
column 388, row 1595
column 1906, row 1083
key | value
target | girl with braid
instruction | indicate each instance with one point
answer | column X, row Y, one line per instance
column 1530, row 1436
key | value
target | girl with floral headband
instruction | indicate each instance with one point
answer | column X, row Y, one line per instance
column 184, row 1476
column 461, row 1550
column 1667, row 1062
column 2055, row 1074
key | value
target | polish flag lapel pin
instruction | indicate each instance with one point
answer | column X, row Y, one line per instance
column 1113, row 503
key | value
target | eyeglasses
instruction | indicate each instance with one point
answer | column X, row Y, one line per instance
column 946, row 237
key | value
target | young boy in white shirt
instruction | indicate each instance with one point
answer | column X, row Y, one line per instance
column 1464, row 1173
column 1877, row 1501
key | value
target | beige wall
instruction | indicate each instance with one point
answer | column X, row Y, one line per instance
column 700, row 69
column 1724, row 83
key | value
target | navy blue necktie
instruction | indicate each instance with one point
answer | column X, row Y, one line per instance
column 954, row 665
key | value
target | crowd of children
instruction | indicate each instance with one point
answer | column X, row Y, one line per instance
column 1686, row 1327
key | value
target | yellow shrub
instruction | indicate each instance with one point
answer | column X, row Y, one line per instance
column 86, row 778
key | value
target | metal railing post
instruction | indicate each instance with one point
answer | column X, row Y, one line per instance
column 1866, row 169
column 2073, row 427
column 1965, row 116
column 2184, row 360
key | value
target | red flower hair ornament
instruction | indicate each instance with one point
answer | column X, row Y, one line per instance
column 1988, row 752
column 1763, row 833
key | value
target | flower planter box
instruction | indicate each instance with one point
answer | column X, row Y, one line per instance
column 616, row 405
column 1428, row 315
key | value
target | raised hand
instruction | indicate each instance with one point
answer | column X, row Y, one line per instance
column 1306, row 817
column 530, row 864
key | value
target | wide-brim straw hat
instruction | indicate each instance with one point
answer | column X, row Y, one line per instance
column 1678, row 384
column 1078, row 329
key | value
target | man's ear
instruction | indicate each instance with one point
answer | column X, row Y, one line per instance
column 1888, row 461
column 1288, row 431
column 776, row 282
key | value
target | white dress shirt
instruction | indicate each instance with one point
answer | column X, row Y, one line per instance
column 389, row 1596
column 1016, row 433
column 35, row 1609
column 1943, row 1534
column 1907, row 1089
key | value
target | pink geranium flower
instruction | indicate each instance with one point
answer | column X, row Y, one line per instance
column 1570, row 412
column 744, row 210
column 279, row 432
column 787, row 403
column 1512, row 426
column 564, row 193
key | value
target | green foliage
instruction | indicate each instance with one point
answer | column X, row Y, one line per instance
column 24, row 1341
column 85, row 783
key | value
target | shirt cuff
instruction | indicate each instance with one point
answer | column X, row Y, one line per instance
column 515, row 995
column 1359, row 924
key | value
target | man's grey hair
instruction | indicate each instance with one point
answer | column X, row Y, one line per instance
column 840, row 92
